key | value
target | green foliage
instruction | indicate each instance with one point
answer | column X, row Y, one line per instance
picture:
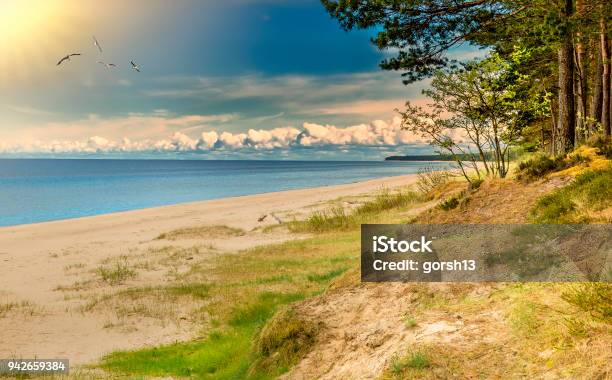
column 538, row 166
column 409, row 321
column 477, row 112
column 325, row 277
column 449, row 204
column 337, row 218
column 590, row 191
column 116, row 274
column 223, row 355
column 475, row 184
column 594, row 298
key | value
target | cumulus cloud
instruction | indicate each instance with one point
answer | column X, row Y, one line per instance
column 375, row 133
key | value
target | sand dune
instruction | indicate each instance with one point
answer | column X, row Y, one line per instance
column 51, row 271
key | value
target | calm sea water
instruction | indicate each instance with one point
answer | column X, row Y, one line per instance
column 37, row 190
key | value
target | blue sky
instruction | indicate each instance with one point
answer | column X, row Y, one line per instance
column 235, row 79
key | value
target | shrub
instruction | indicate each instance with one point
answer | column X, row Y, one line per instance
column 449, row 204
column 593, row 297
column 475, row 184
column 537, row 166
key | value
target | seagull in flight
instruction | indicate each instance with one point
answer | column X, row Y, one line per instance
column 135, row 66
column 96, row 44
column 107, row 65
column 67, row 58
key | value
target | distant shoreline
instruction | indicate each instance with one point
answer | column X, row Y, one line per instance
column 424, row 158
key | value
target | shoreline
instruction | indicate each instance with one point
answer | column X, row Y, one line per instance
column 199, row 202
column 51, row 271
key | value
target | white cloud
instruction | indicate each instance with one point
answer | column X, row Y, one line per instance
column 375, row 133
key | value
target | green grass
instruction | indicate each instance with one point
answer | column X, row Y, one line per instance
column 116, row 274
column 449, row 204
column 324, row 277
column 589, row 192
column 338, row 219
column 409, row 320
column 241, row 293
column 592, row 297
column 223, row 354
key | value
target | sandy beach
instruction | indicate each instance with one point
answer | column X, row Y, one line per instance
column 52, row 271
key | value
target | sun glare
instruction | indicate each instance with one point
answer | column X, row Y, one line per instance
column 29, row 35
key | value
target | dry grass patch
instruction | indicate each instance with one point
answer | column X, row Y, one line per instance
column 203, row 232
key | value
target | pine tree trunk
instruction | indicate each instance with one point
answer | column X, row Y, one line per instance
column 582, row 77
column 567, row 112
column 596, row 103
column 605, row 80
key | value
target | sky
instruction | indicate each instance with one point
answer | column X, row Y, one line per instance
column 238, row 79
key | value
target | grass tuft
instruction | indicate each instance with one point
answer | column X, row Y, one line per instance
column 589, row 192
column 409, row 321
column 116, row 274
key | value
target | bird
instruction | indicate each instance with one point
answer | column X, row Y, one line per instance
column 135, row 66
column 107, row 65
column 96, row 44
column 67, row 58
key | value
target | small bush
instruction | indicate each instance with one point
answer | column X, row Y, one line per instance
column 449, row 204
column 284, row 340
column 593, row 297
column 538, row 166
column 475, row 184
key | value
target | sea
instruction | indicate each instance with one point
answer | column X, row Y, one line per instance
column 39, row 190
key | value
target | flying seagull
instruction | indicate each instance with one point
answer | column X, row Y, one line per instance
column 67, row 58
column 107, row 65
column 135, row 66
column 96, row 44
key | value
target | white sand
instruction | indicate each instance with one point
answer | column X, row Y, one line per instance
column 36, row 259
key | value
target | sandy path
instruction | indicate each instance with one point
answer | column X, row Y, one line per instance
column 37, row 319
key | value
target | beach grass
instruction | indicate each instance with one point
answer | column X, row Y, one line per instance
column 239, row 294
column 250, row 329
column 217, row 231
column 338, row 218
column 586, row 199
